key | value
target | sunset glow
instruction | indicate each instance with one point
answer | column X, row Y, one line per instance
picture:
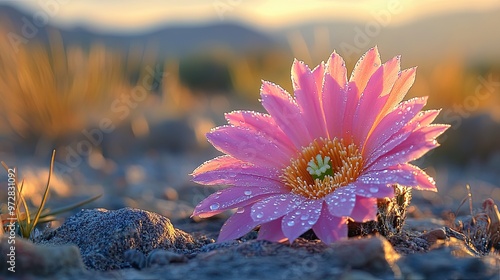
column 134, row 15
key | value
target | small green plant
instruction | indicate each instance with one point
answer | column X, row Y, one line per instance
column 26, row 221
column 480, row 231
column 391, row 215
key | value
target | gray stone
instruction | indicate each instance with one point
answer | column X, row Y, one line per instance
column 41, row 260
column 103, row 235
column 373, row 254
column 135, row 258
column 443, row 264
column 159, row 258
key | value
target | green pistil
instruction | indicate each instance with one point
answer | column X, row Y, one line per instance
column 319, row 168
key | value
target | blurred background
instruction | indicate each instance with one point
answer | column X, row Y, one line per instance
column 125, row 90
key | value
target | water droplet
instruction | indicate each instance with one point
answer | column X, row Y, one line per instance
column 219, row 192
column 214, row 206
column 259, row 215
column 310, row 222
column 343, row 199
column 373, row 189
column 290, row 223
column 248, row 192
column 240, row 210
column 304, row 217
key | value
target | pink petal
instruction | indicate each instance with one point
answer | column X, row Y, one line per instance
column 318, row 74
column 262, row 123
column 248, row 145
column 365, row 209
column 365, row 67
column 234, row 197
column 425, row 118
column 374, row 98
column 399, row 90
column 361, row 74
column 374, row 190
column 271, row 231
column 352, row 99
column 416, row 145
column 423, row 181
column 308, row 98
column 371, row 184
column 275, row 206
column 341, row 201
column 301, row 219
column 389, row 126
column 334, row 94
column 387, row 177
column 239, row 224
column 408, row 132
column 329, row 228
column 226, row 170
column 286, row 113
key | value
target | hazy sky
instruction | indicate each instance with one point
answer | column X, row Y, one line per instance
column 135, row 14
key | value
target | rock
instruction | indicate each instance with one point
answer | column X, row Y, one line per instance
column 135, row 258
column 103, row 235
column 442, row 264
column 434, row 235
column 40, row 260
column 373, row 254
column 159, row 258
column 304, row 259
column 357, row 275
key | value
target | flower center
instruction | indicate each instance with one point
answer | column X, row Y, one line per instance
column 322, row 167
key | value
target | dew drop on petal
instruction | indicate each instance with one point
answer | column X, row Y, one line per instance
column 240, row 210
column 214, row 206
column 219, row 192
column 373, row 189
column 304, row 217
column 259, row 215
column 310, row 222
column 290, row 223
column 248, row 192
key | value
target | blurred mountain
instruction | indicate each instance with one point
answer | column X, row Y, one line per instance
column 471, row 35
column 167, row 40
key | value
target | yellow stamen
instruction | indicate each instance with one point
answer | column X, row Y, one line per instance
column 346, row 164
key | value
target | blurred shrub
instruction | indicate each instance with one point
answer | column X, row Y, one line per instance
column 203, row 72
column 50, row 91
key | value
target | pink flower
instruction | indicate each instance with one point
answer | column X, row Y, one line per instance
column 322, row 157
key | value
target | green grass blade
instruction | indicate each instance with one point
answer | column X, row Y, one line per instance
column 46, row 219
column 71, row 207
column 26, row 209
column 19, row 191
column 46, row 194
